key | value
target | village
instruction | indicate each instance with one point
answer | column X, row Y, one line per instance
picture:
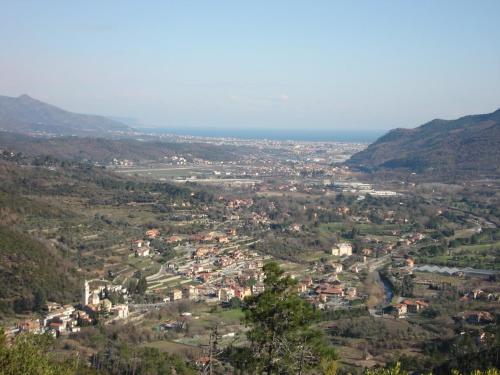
column 223, row 265
column 174, row 255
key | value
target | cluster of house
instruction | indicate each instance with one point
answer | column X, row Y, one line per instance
column 226, row 293
column 65, row 319
column 217, row 237
column 97, row 300
column 248, row 282
column 177, row 160
column 324, row 293
column 220, row 273
column 223, row 291
column 235, row 213
column 479, row 294
column 475, row 317
column 242, row 282
column 217, row 271
column 215, row 285
column 210, row 262
column 411, row 238
column 328, row 292
column 122, row 162
column 58, row 320
column 239, row 203
column 143, row 248
column 400, row 310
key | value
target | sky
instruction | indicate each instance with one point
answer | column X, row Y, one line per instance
column 347, row 65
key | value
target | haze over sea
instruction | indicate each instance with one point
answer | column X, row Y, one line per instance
column 324, row 135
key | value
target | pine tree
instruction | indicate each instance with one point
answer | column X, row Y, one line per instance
column 281, row 338
column 40, row 300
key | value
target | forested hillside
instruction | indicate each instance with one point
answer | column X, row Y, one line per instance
column 105, row 150
column 44, row 207
column 32, row 271
column 468, row 146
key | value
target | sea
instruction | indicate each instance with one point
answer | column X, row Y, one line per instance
column 323, row 135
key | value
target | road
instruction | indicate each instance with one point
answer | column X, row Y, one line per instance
column 374, row 264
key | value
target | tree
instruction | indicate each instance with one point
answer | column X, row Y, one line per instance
column 396, row 370
column 40, row 300
column 407, row 286
column 281, row 338
column 235, row 303
column 354, row 233
column 142, row 286
column 29, row 354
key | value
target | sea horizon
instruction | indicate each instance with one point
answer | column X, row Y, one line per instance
column 315, row 135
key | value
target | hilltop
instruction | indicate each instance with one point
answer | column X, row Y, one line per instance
column 24, row 114
column 468, row 146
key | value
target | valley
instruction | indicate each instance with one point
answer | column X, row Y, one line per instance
column 170, row 250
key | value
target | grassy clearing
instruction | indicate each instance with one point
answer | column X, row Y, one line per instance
column 477, row 248
column 365, row 228
column 191, row 351
column 231, row 316
column 314, row 256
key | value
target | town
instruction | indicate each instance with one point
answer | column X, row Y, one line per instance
column 373, row 253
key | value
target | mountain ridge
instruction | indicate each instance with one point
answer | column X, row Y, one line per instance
column 469, row 145
column 25, row 114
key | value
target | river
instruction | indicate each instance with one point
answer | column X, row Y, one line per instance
column 387, row 289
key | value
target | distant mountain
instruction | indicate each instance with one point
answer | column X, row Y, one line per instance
column 27, row 115
column 469, row 145
column 129, row 121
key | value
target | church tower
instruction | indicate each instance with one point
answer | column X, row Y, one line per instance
column 86, row 293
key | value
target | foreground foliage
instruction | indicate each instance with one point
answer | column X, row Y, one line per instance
column 31, row 355
column 281, row 340
column 396, row 370
column 28, row 355
column 124, row 359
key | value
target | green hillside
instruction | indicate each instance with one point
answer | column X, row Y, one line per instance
column 468, row 146
column 105, row 150
column 29, row 267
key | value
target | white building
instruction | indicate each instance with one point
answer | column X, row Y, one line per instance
column 337, row 267
column 121, row 311
column 86, row 293
column 141, row 248
column 225, row 294
column 142, row 252
column 94, row 298
column 383, row 193
column 342, row 249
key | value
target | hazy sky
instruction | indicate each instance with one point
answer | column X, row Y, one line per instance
column 243, row 64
